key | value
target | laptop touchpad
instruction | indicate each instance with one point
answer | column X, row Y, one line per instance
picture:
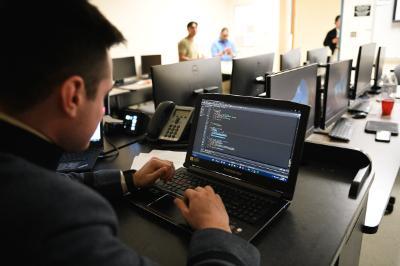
column 165, row 206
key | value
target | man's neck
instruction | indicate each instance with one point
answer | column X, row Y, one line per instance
column 18, row 122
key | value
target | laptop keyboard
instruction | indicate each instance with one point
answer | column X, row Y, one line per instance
column 241, row 204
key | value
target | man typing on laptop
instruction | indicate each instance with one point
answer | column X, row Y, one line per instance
column 56, row 105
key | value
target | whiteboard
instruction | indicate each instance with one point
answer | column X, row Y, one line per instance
column 396, row 12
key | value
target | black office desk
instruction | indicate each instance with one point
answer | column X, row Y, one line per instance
column 321, row 227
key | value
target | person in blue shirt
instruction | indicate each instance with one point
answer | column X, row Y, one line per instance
column 223, row 47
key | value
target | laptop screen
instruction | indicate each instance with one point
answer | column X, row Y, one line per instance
column 248, row 139
column 96, row 137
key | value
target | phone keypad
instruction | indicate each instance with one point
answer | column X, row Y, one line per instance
column 176, row 125
column 172, row 130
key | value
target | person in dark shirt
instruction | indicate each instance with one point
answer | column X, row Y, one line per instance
column 332, row 37
column 56, row 72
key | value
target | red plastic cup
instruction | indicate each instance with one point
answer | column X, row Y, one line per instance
column 387, row 106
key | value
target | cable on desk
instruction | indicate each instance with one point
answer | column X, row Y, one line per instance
column 111, row 153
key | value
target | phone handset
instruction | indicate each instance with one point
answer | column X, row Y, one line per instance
column 169, row 122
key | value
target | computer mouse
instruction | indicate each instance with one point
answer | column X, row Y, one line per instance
column 360, row 115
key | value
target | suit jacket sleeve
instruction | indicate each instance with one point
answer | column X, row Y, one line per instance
column 107, row 182
column 217, row 247
column 207, row 247
column 84, row 232
column 328, row 39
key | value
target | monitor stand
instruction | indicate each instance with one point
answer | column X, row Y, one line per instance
column 375, row 89
column 361, row 104
column 321, row 131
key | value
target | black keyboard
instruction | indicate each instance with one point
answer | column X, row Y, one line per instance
column 246, row 206
column 342, row 129
column 374, row 126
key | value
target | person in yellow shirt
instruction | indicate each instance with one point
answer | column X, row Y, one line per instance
column 187, row 47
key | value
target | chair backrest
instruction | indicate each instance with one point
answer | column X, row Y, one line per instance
column 397, row 73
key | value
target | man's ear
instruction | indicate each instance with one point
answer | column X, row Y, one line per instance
column 72, row 94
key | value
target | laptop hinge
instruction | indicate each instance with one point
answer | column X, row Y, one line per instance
column 226, row 178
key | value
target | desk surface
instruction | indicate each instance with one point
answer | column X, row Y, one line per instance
column 310, row 232
column 385, row 159
column 144, row 84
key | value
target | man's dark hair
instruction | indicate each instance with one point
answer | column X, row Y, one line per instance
column 337, row 18
column 224, row 29
column 45, row 43
column 191, row 23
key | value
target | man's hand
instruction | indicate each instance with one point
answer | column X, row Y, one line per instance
column 204, row 209
column 335, row 40
column 228, row 51
column 153, row 170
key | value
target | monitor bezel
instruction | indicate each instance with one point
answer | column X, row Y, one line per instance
column 379, row 62
column 189, row 96
column 325, row 123
column 237, row 63
column 124, row 58
column 268, row 79
column 357, row 90
column 158, row 56
column 317, row 51
column 292, row 53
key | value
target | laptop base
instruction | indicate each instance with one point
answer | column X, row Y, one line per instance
column 160, row 203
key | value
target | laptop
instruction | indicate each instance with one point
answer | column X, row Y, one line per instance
column 248, row 149
column 83, row 161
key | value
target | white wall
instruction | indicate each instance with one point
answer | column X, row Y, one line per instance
column 387, row 33
column 378, row 28
column 361, row 27
column 313, row 20
column 256, row 26
column 156, row 27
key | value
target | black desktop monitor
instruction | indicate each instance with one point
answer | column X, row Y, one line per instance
column 248, row 74
column 297, row 85
column 291, row 59
column 365, row 62
column 380, row 61
column 182, row 82
column 319, row 56
column 148, row 61
column 123, row 68
column 336, row 99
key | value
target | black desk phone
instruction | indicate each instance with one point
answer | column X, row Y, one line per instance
column 169, row 123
